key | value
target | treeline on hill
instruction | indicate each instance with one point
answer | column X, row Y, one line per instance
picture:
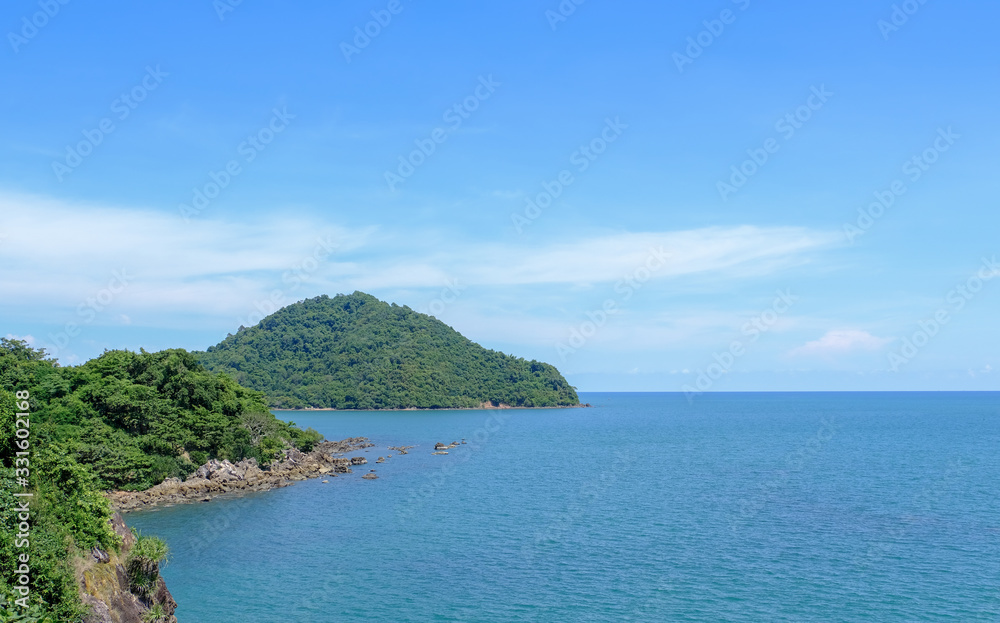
column 356, row 352
column 122, row 421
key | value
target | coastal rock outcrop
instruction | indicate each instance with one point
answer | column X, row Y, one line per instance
column 341, row 465
column 223, row 471
column 220, row 477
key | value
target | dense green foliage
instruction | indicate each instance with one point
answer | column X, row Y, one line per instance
column 66, row 516
column 126, row 421
column 11, row 613
column 356, row 352
column 137, row 418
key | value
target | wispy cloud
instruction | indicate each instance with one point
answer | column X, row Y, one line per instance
column 975, row 373
column 61, row 253
column 734, row 252
column 841, row 341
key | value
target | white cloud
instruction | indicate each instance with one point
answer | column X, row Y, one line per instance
column 987, row 370
column 30, row 339
column 733, row 252
column 840, row 341
column 62, row 254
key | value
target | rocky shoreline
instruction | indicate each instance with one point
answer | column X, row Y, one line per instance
column 217, row 478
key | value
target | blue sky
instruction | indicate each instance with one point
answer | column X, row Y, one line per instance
column 712, row 196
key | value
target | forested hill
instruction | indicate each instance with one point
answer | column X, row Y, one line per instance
column 356, row 352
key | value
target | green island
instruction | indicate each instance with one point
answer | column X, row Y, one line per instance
column 129, row 421
column 357, row 352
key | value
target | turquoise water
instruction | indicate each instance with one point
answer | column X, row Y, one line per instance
column 738, row 507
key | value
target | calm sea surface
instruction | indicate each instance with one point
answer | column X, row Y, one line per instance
column 738, row 507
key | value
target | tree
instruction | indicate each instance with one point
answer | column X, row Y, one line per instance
column 258, row 424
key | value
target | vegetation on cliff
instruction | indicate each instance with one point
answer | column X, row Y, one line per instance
column 143, row 563
column 124, row 421
column 356, row 352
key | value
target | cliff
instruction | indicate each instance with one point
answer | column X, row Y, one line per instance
column 105, row 586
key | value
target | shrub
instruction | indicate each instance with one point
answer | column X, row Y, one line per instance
column 14, row 614
column 143, row 563
column 269, row 449
column 198, row 457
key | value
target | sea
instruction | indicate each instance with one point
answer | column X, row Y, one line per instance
column 645, row 507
